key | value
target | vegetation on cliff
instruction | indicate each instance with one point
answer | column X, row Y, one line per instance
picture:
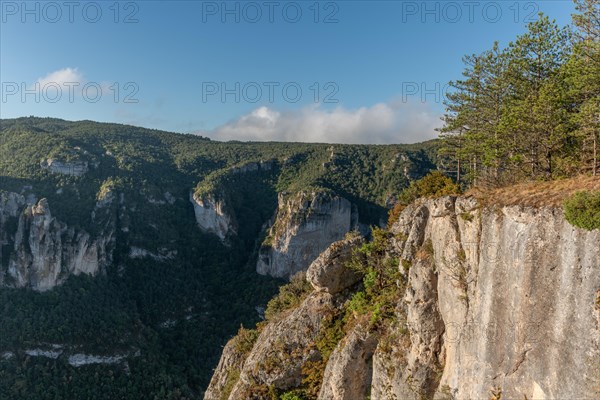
column 583, row 210
column 371, row 304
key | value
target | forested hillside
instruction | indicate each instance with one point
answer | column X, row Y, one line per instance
column 156, row 318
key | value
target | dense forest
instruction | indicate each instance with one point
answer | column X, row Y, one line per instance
column 531, row 110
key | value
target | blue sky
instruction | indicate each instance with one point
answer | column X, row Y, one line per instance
column 345, row 71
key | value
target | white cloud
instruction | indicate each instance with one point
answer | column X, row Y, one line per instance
column 393, row 122
column 72, row 82
column 62, row 76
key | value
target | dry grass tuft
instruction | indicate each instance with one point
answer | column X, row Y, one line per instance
column 535, row 194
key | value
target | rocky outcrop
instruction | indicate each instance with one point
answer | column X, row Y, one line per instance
column 416, row 367
column 349, row 368
column 211, row 215
column 253, row 167
column 163, row 253
column 72, row 355
column 329, row 272
column 79, row 360
column 283, row 348
column 10, row 205
column 42, row 251
column 227, row 372
column 495, row 301
column 277, row 357
column 212, row 205
column 77, row 168
column 305, row 225
column 287, row 342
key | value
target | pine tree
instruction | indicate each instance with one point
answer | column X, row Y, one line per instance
column 535, row 59
column 587, row 24
column 473, row 111
column 532, row 110
column 583, row 76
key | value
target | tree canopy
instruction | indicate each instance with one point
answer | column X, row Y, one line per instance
column 530, row 110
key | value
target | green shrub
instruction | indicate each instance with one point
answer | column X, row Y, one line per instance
column 359, row 304
column 467, row 216
column 376, row 315
column 291, row 396
column 330, row 334
column 394, row 213
column 428, row 247
column 382, row 282
column 406, row 265
column 434, row 184
column 290, row 296
column 232, row 378
column 245, row 339
column 583, row 210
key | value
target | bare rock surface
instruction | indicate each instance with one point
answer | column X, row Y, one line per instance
column 43, row 251
column 306, row 224
column 329, row 271
column 349, row 368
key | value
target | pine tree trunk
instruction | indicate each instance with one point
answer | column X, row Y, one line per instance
column 595, row 165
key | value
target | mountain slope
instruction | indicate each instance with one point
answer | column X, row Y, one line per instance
column 149, row 316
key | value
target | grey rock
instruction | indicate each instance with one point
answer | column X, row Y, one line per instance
column 329, row 271
column 46, row 251
column 349, row 368
column 226, row 374
column 211, row 215
column 282, row 348
column 497, row 299
column 516, row 290
column 77, row 168
column 305, row 226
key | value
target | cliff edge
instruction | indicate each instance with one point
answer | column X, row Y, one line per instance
column 488, row 301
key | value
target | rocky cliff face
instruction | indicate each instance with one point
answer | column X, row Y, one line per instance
column 305, row 225
column 77, row 168
column 211, row 216
column 286, row 344
column 514, row 301
column 497, row 302
column 39, row 251
column 214, row 213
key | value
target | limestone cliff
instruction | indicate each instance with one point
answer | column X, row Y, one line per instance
column 305, row 225
column 212, row 208
column 513, row 296
column 76, row 168
column 211, row 215
column 40, row 251
column 495, row 302
column 286, row 343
